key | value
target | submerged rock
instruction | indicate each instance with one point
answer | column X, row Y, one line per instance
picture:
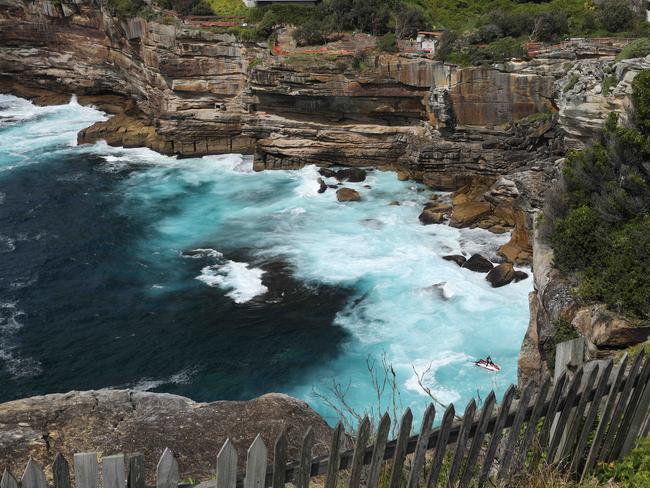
column 347, row 195
column 456, row 258
column 501, row 275
column 127, row 421
column 478, row 263
column 327, row 173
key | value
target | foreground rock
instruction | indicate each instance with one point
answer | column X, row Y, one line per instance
column 114, row 421
column 478, row 263
column 501, row 275
column 430, row 216
column 347, row 195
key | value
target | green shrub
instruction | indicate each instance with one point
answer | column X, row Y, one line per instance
column 409, row 20
column 615, row 15
column 638, row 48
column 505, row 49
column 641, row 99
column 388, row 43
column 313, row 32
column 125, row 8
column 633, row 471
column 608, row 83
column 571, row 83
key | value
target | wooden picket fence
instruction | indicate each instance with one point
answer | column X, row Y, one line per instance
column 596, row 414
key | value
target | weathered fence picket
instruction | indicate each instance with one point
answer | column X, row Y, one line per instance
column 113, row 471
column 461, row 442
column 421, row 447
column 8, row 481
column 61, row 472
column 85, row 470
column 618, row 396
column 227, row 466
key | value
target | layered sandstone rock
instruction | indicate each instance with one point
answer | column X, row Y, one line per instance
column 127, row 421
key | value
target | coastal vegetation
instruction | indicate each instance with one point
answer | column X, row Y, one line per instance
column 599, row 221
column 476, row 32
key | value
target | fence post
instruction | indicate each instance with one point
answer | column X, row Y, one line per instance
column 167, row 470
column 569, row 355
column 421, row 447
column 256, row 464
column 8, row 480
column 359, row 453
column 85, row 470
column 227, row 466
column 113, row 471
column 60, row 472
column 33, row 477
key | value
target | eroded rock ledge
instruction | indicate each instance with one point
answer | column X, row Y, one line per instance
column 128, row 421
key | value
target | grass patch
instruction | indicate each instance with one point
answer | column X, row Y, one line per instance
column 608, row 83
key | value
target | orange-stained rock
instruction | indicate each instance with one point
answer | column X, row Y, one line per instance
column 468, row 213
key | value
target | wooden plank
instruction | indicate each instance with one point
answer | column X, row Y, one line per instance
column 565, row 450
column 561, row 425
column 167, row 470
column 592, row 412
column 630, row 410
column 33, row 477
column 135, row 477
column 421, row 447
column 477, row 441
column 569, row 356
column 531, row 426
column 441, row 446
column 513, row 436
column 279, row 461
column 636, row 424
column 378, row 452
column 304, row 472
column 359, row 453
column 549, row 417
column 113, row 471
column 499, row 425
column 608, row 444
column 85, row 470
column 334, row 461
column 60, row 472
column 8, row 480
column 227, row 465
column 400, row 449
column 596, row 444
column 461, row 442
column 256, row 464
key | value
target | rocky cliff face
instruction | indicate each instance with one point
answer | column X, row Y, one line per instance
column 126, row 421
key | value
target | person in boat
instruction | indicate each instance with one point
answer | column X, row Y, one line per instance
column 487, row 361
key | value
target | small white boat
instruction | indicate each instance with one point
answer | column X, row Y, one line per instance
column 490, row 366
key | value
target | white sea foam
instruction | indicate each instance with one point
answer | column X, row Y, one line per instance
column 242, row 282
column 10, row 323
column 183, row 377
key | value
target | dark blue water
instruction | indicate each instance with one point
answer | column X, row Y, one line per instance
column 200, row 277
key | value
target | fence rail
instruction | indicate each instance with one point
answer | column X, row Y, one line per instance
column 595, row 414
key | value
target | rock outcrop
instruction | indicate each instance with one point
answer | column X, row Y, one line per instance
column 127, row 421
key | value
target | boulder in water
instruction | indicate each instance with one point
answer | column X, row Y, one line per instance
column 501, row 275
column 353, row 175
column 327, row 173
column 478, row 263
column 347, row 195
column 520, row 276
column 456, row 258
column 322, row 186
column 468, row 213
column 429, row 216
